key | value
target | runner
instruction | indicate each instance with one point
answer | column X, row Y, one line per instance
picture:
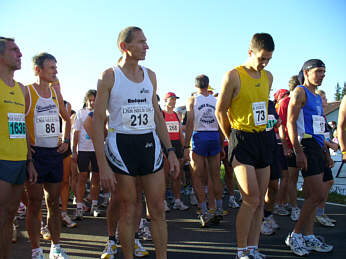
column 342, row 128
column 15, row 157
column 132, row 148
column 177, row 138
column 86, row 156
column 207, row 143
column 306, row 125
column 242, row 114
column 43, row 106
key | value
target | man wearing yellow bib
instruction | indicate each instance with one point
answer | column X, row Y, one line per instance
column 44, row 104
column 242, row 111
column 15, row 159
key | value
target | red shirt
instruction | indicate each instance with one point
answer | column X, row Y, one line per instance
column 281, row 109
column 173, row 125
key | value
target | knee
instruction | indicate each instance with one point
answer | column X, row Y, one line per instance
column 157, row 210
column 253, row 201
column 82, row 178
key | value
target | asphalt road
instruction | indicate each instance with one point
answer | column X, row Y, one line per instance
column 187, row 240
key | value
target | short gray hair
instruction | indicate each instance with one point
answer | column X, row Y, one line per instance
column 3, row 41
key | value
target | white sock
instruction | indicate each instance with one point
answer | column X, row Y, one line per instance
column 35, row 250
column 94, row 203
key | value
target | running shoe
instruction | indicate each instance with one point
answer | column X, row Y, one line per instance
column 67, row 221
column 273, row 222
column 257, row 255
column 328, row 218
column 245, row 256
column 21, row 212
column 57, row 253
column 267, row 228
column 218, row 216
column 297, row 244
column 324, row 221
column 14, row 233
column 167, row 209
column 179, row 205
column 95, row 211
column 139, row 250
column 78, row 214
column 295, row 212
column 205, row 218
column 38, row 254
column 45, row 233
column 193, row 199
column 144, row 230
column 315, row 244
column 110, row 250
column 280, row 210
column 232, row 203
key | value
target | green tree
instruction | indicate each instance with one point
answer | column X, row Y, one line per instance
column 343, row 91
column 338, row 92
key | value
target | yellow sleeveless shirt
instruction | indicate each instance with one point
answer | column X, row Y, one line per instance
column 249, row 109
column 13, row 146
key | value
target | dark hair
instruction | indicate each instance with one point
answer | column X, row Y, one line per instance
column 3, row 41
column 293, row 82
column 126, row 35
column 39, row 59
column 202, row 81
column 90, row 92
column 262, row 41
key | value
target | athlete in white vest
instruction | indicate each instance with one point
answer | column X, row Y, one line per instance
column 132, row 150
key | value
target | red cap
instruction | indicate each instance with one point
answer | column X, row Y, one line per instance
column 169, row 95
column 279, row 94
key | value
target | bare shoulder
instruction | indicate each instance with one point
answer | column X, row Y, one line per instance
column 152, row 77
column 190, row 103
column 269, row 75
column 298, row 96
column 107, row 78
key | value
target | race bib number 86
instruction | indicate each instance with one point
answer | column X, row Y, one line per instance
column 138, row 117
column 47, row 126
column 16, row 125
column 259, row 110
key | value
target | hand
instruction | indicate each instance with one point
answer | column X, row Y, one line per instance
column 56, row 85
column 107, row 178
column 301, row 161
column 32, row 174
column 174, row 165
column 74, row 157
column 62, row 148
column 333, row 146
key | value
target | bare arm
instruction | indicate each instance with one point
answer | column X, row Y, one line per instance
column 104, row 88
column 229, row 86
column 190, row 120
column 88, row 126
column 296, row 104
column 342, row 127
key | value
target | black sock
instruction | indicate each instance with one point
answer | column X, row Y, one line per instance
column 267, row 213
column 111, row 238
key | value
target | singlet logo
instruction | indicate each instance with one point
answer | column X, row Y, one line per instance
column 258, row 85
column 137, row 100
column 45, row 108
column 12, row 93
column 144, row 91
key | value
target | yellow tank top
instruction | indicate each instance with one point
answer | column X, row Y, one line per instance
column 42, row 119
column 13, row 146
column 249, row 109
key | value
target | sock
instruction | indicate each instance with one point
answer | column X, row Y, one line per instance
column 42, row 225
column 112, row 238
column 219, row 205
column 206, row 189
column 177, row 201
column 94, row 203
column 267, row 213
column 231, row 198
column 252, row 249
column 35, row 250
column 79, row 205
column 241, row 251
column 204, row 207
column 319, row 211
column 56, row 246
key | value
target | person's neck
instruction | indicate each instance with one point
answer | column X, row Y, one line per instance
column 7, row 75
column 310, row 87
column 129, row 65
column 252, row 71
column 42, row 85
column 169, row 109
column 203, row 91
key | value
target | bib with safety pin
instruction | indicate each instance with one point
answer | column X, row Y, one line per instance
column 172, row 126
column 318, row 124
column 16, row 125
column 47, row 126
column 259, row 110
column 138, row 117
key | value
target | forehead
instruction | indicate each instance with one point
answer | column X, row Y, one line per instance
column 139, row 36
column 11, row 45
column 49, row 63
column 264, row 53
column 91, row 97
column 317, row 69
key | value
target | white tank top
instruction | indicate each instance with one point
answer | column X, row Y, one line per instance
column 130, row 105
column 204, row 111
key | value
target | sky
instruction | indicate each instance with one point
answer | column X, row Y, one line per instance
column 185, row 37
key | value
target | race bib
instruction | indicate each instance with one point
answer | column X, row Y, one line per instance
column 47, row 126
column 259, row 110
column 318, row 124
column 16, row 125
column 172, row 126
column 138, row 117
column 271, row 122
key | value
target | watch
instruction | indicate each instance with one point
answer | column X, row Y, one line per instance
column 171, row 149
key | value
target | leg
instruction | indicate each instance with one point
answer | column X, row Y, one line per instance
column 154, row 191
column 52, row 191
column 82, row 179
column 65, row 184
column 283, row 190
column 198, row 170
column 271, row 194
column 214, row 173
column 33, row 222
column 293, row 173
column 74, row 177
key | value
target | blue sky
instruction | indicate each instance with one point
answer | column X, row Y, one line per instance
column 186, row 38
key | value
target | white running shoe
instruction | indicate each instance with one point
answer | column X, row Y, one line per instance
column 193, row 199
column 45, row 233
column 295, row 212
column 297, row 244
column 179, row 205
column 67, row 221
column 232, row 203
column 38, row 254
column 110, row 250
column 280, row 210
column 95, row 211
column 273, row 222
column 328, row 218
column 324, row 221
column 167, row 209
column 139, row 250
column 58, row 253
column 266, row 227
column 314, row 244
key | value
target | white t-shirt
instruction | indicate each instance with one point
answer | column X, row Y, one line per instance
column 84, row 142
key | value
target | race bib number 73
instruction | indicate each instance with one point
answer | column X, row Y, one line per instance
column 259, row 110
column 16, row 125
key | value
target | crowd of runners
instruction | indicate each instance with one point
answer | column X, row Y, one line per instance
column 123, row 145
